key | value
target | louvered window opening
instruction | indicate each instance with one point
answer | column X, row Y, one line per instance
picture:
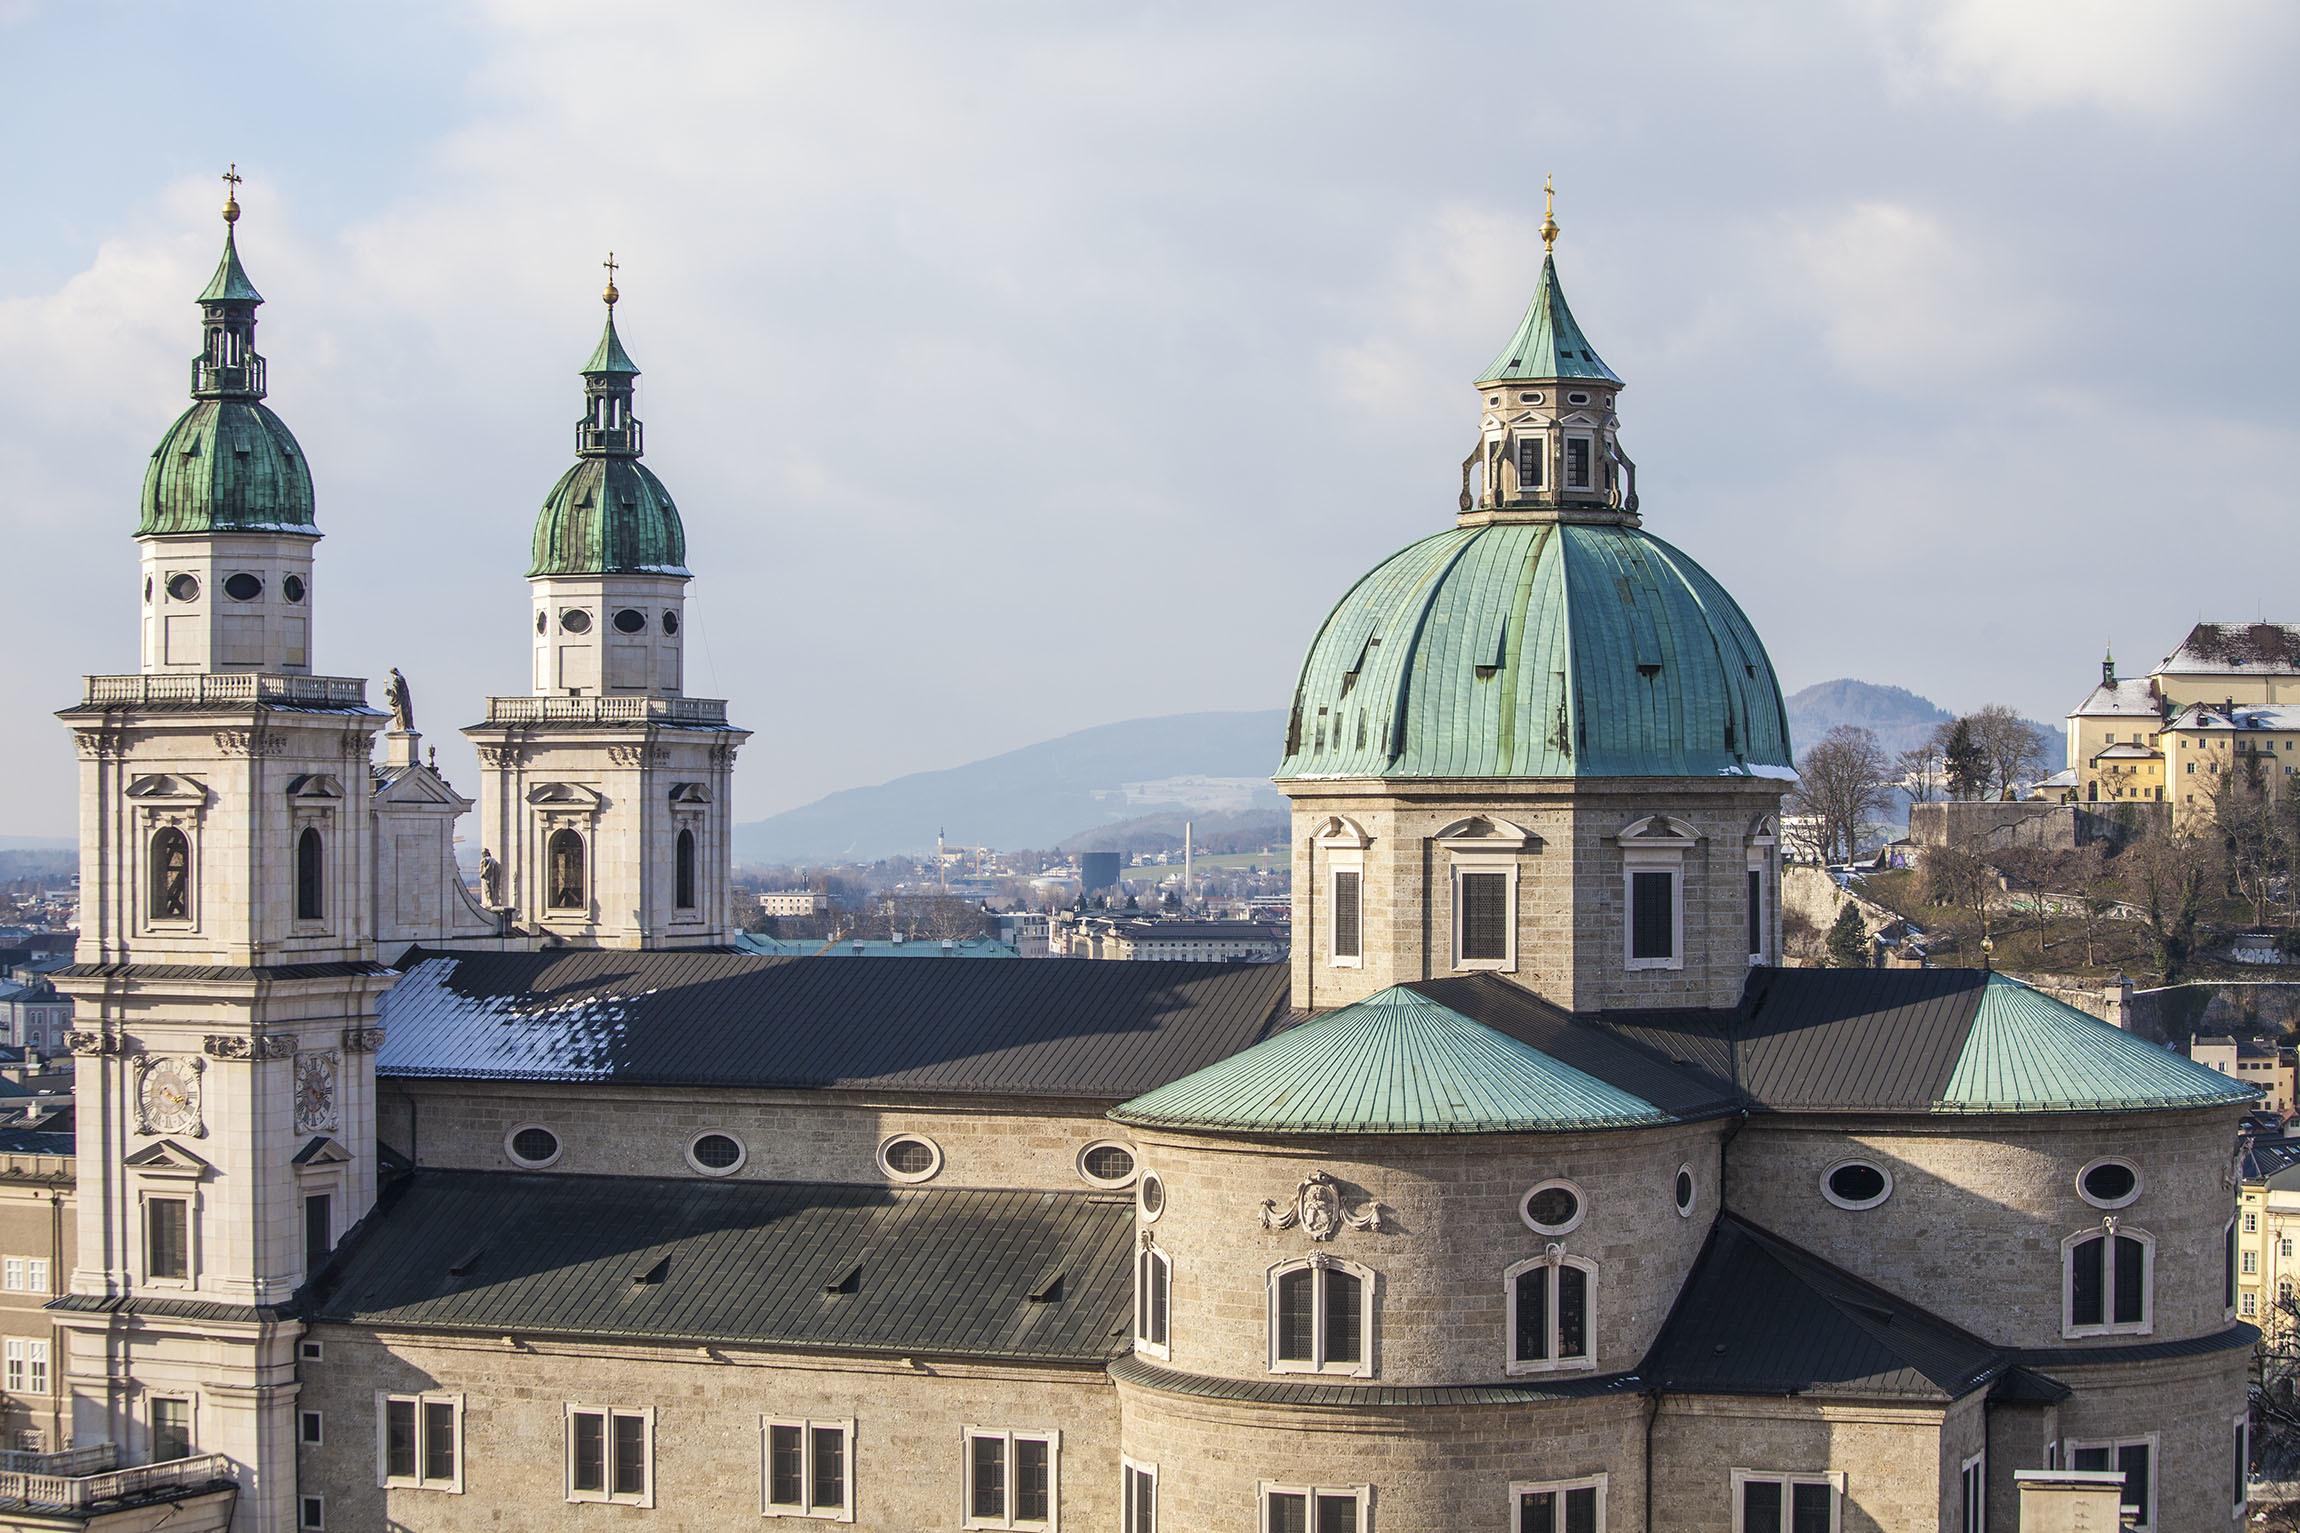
column 1348, row 935
column 1653, row 915
column 1485, row 917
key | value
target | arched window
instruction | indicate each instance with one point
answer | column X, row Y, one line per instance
column 1322, row 1317
column 171, row 891
column 685, row 879
column 564, row 856
column 1153, row 1285
column 310, row 875
column 2106, row 1276
column 1552, row 1314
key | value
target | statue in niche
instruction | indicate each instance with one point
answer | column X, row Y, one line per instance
column 401, row 704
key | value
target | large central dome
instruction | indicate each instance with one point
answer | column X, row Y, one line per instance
column 1536, row 649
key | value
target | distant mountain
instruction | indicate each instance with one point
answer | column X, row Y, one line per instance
column 1899, row 718
column 1058, row 790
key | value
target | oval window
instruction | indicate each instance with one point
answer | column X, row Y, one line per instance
column 2109, row 1183
column 1531, row 399
column 147, row 588
column 184, row 587
column 1493, row 399
column 1150, row 1193
column 292, row 587
column 531, row 1145
column 1856, row 1184
column 630, row 620
column 670, row 622
column 243, row 587
column 1553, row 1208
column 1577, row 399
column 1685, row 1191
column 715, row 1154
column 542, row 622
column 909, row 1158
column 575, row 620
column 1106, row 1164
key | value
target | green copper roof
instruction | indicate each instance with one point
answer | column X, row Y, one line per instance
column 609, row 356
column 2027, row 1052
column 1394, row 1063
column 226, row 465
column 1548, row 343
column 1537, row 649
column 230, row 284
column 609, row 515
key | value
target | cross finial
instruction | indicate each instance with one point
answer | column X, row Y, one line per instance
column 610, row 294
column 1548, row 214
column 232, row 180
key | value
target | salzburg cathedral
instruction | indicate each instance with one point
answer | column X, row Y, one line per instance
column 1532, row 1195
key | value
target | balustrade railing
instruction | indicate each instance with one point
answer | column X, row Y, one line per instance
column 606, row 710
column 228, row 688
column 75, row 1491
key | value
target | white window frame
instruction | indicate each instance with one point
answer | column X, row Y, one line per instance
column 845, row 1427
column 1145, row 1255
column 389, row 1481
column 36, row 1274
column 2152, row 1441
column 1973, row 1494
column 2110, row 1205
column 304, row 1521
column 1588, row 479
column 1504, row 867
column 1337, row 864
column 701, row 1168
column 2249, row 1304
column 1558, row 1488
column 1658, row 843
column 1830, row 1196
column 27, row 1366
column 2108, row 1230
column 1051, row 1436
column 1786, row 1479
column 1587, row 1362
column 173, row 1191
column 1363, row 1495
column 1484, row 844
column 1109, row 1183
column 1580, row 1207
column 558, row 1147
column 1763, row 842
column 887, row 1170
column 1319, row 1265
column 1130, row 1470
column 12, row 1274
column 607, row 1491
column 2243, row 1426
column 317, row 1421
column 152, row 1403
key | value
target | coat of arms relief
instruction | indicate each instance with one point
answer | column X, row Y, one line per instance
column 1318, row 1207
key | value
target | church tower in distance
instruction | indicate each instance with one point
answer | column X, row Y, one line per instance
column 226, row 983
column 605, row 800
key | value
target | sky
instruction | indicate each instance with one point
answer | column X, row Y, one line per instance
column 1023, row 367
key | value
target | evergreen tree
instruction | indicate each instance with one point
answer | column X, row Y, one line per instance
column 1968, row 763
column 1849, row 940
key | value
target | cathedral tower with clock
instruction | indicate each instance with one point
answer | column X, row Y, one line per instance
column 226, row 980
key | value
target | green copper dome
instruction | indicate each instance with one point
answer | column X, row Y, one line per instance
column 608, row 515
column 227, row 465
column 1537, row 648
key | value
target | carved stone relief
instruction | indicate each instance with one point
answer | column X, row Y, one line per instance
column 1318, row 1208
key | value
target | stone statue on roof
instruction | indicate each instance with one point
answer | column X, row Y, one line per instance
column 401, row 704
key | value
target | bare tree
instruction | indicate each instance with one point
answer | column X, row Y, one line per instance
column 1924, row 770
column 1842, row 781
column 2014, row 748
column 1964, row 880
column 2171, row 876
column 2251, row 835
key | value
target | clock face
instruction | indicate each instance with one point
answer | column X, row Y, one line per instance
column 170, row 1097
column 315, row 1092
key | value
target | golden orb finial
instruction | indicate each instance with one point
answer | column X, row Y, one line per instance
column 1548, row 214
column 232, row 179
column 610, row 294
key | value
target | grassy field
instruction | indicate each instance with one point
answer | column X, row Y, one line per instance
column 1270, row 861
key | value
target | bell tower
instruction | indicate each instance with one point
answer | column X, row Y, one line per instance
column 605, row 793
column 226, row 982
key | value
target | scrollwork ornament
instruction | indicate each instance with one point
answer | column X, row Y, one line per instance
column 228, row 1046
column 92, row 1041
column 362, row 1040
column 1318, row 1208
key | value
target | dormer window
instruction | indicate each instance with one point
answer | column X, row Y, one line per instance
column 1530, row 463
column 1577, row 462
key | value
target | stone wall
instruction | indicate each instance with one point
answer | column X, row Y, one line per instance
column 1986, row 825
column 2243, row 1008
column 1891, row 1459
column 2188, row 1405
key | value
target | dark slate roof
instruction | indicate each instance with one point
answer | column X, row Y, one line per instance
column 944, row 1272
column 1759, row 1316
column 1051, row 1027
column 1854, row 1038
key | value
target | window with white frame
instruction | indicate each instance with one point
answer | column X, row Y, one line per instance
column 2241, row 1488
column 1137, row 1496
column 12, row 1273
column 1769, row 1501
column 172, row 1437
column 36, row 1271
column 808, row 1468
column 1153, row 1294
column 419, row 1442
column 27, row 1366
column 2251, row 1263
column 611, row 1454
column 1482, row 853
column 168, row 1239
column 1552, row 1320
column 1558, row 1506
column 1314, row 1508
column 1973, row 1495
column 1322, row 1317
column 2132, row 1457
column 311, row 1514
column 1012, row 1478
column 1532, row 461
column 1348, row 926
column 2249, row 1305
column 2107, row 1274
column 310, row 1428
column 1577, row 462
column 1653, row 853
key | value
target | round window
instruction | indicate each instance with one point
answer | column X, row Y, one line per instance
column 1106, row 1164
column 531, row 1145
column 1553, row 1208
column 630, row 620
column 1856, row 1184
column 2108, row 1183
column 291, row 587
column 715, row 1154
column 670, row 622
column 243, row 587
column 1685, row 1191
column 1150, row 1194
column 1493, row 399
column 909, row 1158
column 575, row 620
column 184, row 587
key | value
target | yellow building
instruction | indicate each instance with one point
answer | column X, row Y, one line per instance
column 2121, row 747
column 2267, row 1236
column 2207, row 745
